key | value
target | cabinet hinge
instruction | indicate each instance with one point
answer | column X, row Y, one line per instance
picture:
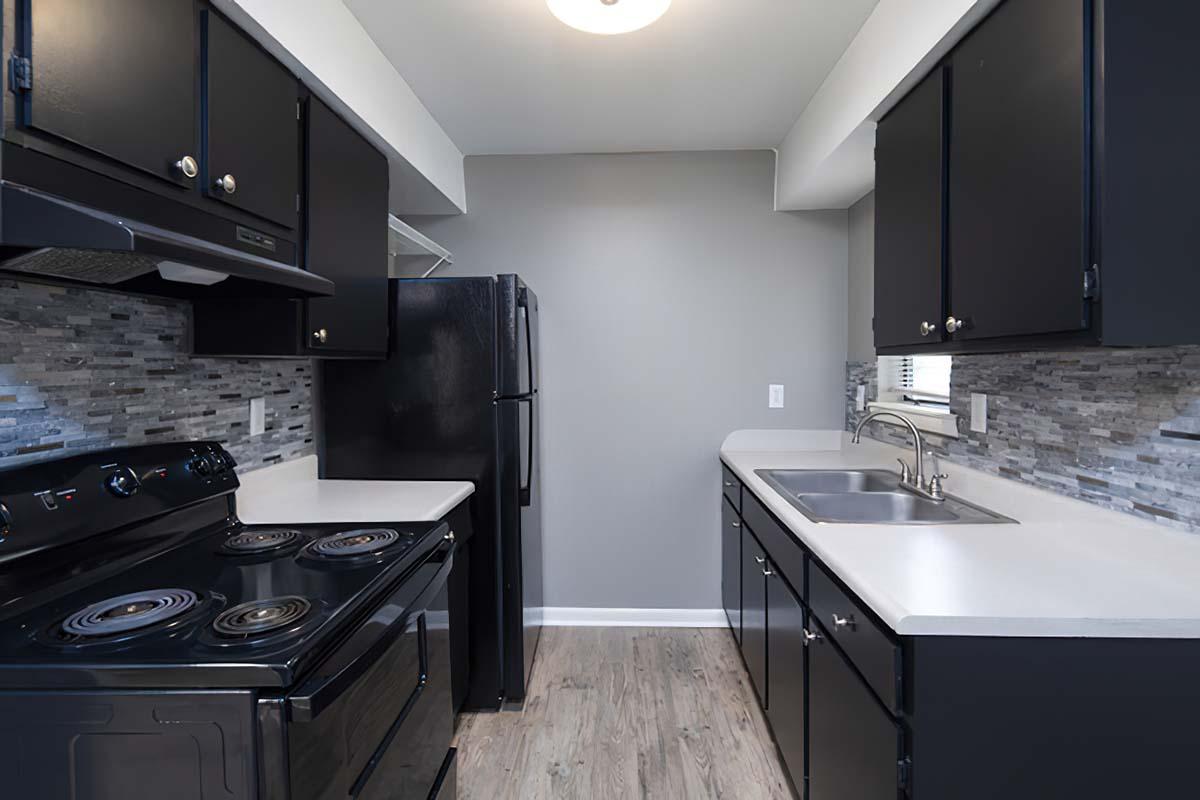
column 904, row 774
column 20, row 73
column 1091, row 282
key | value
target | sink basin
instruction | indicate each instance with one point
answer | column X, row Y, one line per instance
column 869, row 497
column 830, row 481
column 875, row 507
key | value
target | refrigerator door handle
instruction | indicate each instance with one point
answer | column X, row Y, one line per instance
column 525, row 490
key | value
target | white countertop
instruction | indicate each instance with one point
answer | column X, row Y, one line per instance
column 292, row 493
column 1069, row 569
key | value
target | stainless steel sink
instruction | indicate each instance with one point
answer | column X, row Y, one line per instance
column 869, row 497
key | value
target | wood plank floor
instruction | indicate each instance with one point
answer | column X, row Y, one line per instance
column 625, row 713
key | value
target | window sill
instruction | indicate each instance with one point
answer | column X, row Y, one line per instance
column 929, row 420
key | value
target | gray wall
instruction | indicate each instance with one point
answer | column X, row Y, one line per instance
column 671, row 295
column 86, row 370
column 860, row 339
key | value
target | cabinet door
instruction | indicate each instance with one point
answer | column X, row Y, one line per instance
column 853, row 745
column 101, row 82
column 786, row 667
column 731, row 568
column 754, row 613
column 252, row 126
column 1018, row 171
column 909, row 218
column 347, row 194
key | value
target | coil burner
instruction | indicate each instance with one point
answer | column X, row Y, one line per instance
column 256, row 542
column 129, row 612
column 260, row 617
column 360, row 542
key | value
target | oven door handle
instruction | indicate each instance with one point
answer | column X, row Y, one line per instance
column 323, row 691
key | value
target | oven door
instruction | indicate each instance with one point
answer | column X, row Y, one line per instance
column 376, row 719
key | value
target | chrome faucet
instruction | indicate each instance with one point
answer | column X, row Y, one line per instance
column 912, row 480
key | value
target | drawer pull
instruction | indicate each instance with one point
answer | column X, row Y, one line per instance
column 845, row 622
column 736, row 524
column 728, row 484
column 810, row 637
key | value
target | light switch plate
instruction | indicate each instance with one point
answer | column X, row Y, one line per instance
column 860, row 398
column 978, row 412
column 258, row 416
column 775, row 395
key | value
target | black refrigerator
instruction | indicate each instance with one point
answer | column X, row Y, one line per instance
column 457, row 399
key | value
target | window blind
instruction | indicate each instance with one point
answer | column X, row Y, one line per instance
column 923, row 378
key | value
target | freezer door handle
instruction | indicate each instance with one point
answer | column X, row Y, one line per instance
column 523, row 305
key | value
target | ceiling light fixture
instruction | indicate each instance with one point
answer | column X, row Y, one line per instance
column 608, row 16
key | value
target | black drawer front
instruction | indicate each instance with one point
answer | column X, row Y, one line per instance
column 871, row 650
column 781, row 546
column 732, row 487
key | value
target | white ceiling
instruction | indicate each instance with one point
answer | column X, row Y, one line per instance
column 505, row 76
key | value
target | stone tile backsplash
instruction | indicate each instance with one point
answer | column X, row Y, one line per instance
column 82, row 369
column 1119, row 428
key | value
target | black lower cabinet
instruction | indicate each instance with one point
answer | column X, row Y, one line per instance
column 754, row 613
column 854, row 747
column 787, row 664
column 731, row 568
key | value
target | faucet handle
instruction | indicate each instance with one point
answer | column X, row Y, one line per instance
column 905, row 471
column 935, row 485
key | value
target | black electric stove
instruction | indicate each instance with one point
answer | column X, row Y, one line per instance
column 152, row 645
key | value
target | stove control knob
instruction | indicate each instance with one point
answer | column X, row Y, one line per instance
column 123, row 483
column 215, row 464
column 5, row 520
column 200, row 466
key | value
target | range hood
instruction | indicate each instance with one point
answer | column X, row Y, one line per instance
column 45, row 235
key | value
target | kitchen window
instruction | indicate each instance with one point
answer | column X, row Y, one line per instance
column 918, row 387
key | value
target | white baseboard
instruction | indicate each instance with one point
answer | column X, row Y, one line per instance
column 634, row 617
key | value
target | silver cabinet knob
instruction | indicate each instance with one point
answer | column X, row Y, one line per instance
column 449, row 537
column 227, row 183
column 844, row 622
column 759, row 560
column 736, row 524
column 810, row 637
column 953, row 324
column 927, row 328
column 321, row 336
column 729, row 484
column 188, row 166
column 767, row 572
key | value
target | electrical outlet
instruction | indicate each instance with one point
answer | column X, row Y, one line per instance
column 860, row 398
column 978, row 412
column 775, row 395
column 258, row 416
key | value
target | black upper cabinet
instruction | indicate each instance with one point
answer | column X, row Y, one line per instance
column 1018, row 172
column 98, row 81
column 346, row 231
column 909, row 210
column 1069, row 166
column 252, row 130
column 347, row 193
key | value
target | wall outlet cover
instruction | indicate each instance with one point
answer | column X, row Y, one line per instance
column 775, row 395
column 258, row 416
column 860, row 397
column 978, row 412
